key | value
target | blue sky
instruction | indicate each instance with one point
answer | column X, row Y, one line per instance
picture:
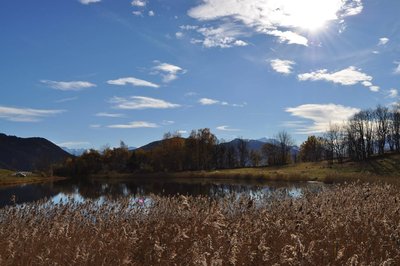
column 86, row 73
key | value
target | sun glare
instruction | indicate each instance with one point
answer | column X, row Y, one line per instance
column 310, row 15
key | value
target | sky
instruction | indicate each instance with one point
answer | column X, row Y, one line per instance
column 90, row 73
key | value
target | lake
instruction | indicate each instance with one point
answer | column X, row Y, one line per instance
column 81, row 190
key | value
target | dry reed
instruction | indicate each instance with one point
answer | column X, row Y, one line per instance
column 350, row 224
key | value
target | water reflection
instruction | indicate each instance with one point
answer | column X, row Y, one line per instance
column 79, row 191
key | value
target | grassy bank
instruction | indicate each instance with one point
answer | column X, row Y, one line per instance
column 385, row 167
column 353, row 224
column 7, row 178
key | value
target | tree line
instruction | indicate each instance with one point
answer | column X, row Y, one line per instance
column 200, row 151
column 367, row 133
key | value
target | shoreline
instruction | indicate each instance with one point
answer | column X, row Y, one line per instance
column 16, row 181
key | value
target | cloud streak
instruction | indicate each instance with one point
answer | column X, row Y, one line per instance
column 87, row 2
column 135, row 124
column 111, row 115
column 26, row 114
column 321, row 116
column 140, row 103
column 68, row 85
column 132, row 81
column 208, row 101
column 227, row 128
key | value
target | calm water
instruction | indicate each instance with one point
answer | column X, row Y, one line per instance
column 141, row 188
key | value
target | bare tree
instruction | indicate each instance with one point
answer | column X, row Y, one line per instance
column 381, row 115
column 243, row 152
column 285, row 143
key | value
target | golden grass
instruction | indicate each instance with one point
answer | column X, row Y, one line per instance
column 380, row 168
column 350, row 224
column 7, row 178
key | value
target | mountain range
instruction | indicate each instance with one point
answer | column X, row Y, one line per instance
column 28, row 154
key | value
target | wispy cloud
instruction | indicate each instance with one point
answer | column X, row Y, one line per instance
column 137, row 13
column 224, row 36
column 68, row 85
column 135, row 124
column 66, row 100
column 383, row 41
column 169, row 72
column 277, row 18
column 282, row 66
column 208, row 101
column 26, row 114
column 321, row 116
column 289, row 37
column 111, row 115
column 393, row 93
column 87, row 2
column 397, row 69
column 151, row 13
column 139, row 3
column 347, row 77
column 141, row 102
column 227, row 128
column 132, row 81
column 167, row 122
column 73, row 144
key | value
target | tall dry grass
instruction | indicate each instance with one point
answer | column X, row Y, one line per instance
column 350, row 224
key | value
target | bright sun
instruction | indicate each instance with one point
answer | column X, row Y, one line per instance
column 311, row 15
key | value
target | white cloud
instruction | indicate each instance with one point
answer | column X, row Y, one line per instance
column 182, row 132
column 393, row 93
column 87, row 2
column 139, row 3
column 279, row 18
column 227, row 128
column 141, row 102
column 346, row 77
column 135, row 124
column 179, row 35
column 151, row 13
column 73, row 144
column 321, row 115
column 289, row 37
column 169, row 72
column 208, row 101
column 68, row 85
column 137, row 13
column 132, row 81
column 25, row 114
column 112, row 115
column 397, row 69
column 95, row 126
column 383, row 41
column 282, row 66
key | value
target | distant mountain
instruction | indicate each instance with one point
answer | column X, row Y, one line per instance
column 27, row 154
column 151, row 145
column 75, row 152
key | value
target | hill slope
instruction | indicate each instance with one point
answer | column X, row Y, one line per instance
column 28, row 153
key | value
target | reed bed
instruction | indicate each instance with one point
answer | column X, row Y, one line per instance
column 349, row 224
